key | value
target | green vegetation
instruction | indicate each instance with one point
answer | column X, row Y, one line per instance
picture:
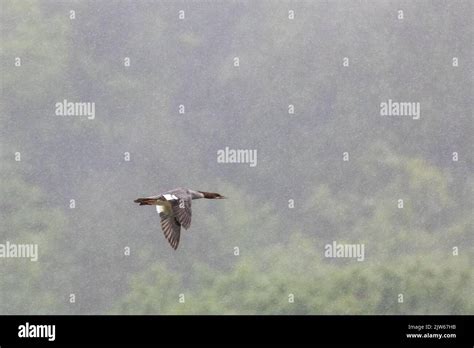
column 408, row 251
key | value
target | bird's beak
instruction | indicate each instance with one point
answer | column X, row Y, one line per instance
column 222, row 197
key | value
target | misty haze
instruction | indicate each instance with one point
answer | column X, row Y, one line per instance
column 339, row 132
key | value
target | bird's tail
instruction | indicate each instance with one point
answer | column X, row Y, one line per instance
column 146, row 201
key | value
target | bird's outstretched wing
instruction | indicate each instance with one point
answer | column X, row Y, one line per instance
column 171, row 228
column 182, row 209
column 175, row 211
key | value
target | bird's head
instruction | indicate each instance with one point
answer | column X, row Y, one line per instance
column 212, row 195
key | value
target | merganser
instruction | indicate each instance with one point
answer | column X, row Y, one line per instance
column 174, row 207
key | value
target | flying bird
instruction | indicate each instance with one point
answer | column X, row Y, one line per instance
column 174, row 207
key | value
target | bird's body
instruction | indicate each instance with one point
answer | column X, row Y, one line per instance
column 174, row 207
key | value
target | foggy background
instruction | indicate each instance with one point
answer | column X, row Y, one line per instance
column 83, row 266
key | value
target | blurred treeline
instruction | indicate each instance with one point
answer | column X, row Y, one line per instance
column 408, row 251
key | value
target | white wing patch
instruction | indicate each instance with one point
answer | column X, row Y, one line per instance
column 169, row 197
column 164, row 207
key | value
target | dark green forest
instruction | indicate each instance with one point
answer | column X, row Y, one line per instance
column 110, row 256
